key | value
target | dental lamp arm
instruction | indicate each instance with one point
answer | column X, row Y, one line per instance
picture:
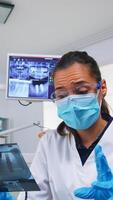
column 6, row 132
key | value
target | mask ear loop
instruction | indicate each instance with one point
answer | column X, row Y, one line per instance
column 98, row 87
column 99, row 102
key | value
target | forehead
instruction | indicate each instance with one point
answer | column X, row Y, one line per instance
column 74, row 74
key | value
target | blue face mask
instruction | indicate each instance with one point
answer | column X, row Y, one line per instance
column 79, row 111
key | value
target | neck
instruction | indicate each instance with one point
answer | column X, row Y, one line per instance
column 89, row 135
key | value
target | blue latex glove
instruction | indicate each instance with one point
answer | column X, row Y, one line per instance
column 6, row 196
column 102, row 188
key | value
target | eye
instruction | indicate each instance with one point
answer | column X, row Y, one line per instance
column 61, row 96
column 82, row 92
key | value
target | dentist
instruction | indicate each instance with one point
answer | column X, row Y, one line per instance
column 75, row 161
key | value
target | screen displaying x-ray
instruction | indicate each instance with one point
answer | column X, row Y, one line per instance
column 30, row 77
column 14, row 172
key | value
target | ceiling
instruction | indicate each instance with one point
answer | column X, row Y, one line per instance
column 53, row 27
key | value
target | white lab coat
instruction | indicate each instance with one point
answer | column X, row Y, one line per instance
column 57, row 167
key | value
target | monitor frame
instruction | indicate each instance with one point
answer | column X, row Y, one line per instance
column 28, row 99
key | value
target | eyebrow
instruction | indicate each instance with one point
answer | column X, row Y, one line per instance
column 77, row 83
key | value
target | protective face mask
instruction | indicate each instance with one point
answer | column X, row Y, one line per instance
column 79, row 111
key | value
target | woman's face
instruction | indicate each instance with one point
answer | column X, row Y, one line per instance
column 76, row 79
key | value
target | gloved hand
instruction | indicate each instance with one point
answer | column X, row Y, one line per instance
column 6, row 196
column 102, row 188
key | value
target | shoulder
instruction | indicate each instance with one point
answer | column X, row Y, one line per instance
column 50, row 136
column 43, row 148
column 52, row 139
column 46, row 145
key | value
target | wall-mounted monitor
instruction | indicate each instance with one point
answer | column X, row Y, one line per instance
column 29, row 77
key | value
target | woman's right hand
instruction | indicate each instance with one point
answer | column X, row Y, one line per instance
column 41, row 134
column 6, row 196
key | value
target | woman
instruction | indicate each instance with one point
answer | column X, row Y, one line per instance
column 70, row 162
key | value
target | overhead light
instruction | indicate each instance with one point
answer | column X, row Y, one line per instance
column 5, row 11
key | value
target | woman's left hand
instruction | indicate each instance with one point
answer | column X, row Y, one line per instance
column 102, row 188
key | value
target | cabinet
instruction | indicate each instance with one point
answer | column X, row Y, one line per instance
column 4, row 125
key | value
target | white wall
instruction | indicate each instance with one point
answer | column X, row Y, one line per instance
column 102, row 51
column 107, row 71
column 50, row 118
column 22, row 116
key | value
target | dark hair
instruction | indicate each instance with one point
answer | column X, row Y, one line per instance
column 82, row 57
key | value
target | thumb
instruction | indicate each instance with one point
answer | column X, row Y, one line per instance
column 84, row 192
column 103, row 170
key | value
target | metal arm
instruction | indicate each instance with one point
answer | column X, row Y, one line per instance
column 6, row 132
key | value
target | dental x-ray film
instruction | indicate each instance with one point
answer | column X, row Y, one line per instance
column 14, row 172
